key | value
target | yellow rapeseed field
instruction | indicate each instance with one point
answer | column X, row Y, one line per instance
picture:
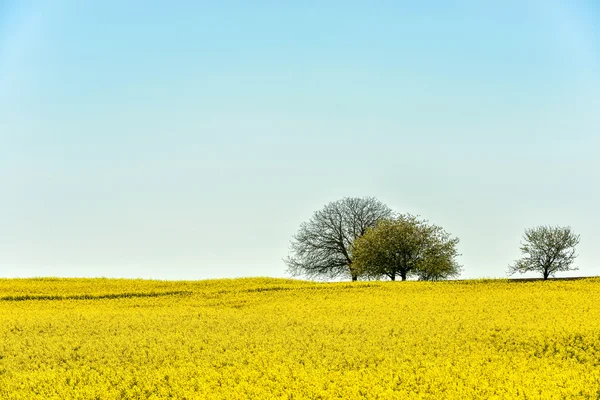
column 286, row 339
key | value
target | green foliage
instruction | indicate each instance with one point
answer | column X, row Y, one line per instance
column 547, row 249
column 406, row 246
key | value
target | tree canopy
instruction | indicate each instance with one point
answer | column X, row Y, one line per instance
column 547, row 250
column 322, row 247
column 406, row 246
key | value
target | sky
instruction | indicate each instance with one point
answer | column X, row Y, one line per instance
column 190, row 139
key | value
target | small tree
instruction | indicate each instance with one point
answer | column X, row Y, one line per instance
column 405, row 246
column 323, row 245
column 547, row 249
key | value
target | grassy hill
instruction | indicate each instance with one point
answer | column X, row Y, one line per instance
column 276, row 338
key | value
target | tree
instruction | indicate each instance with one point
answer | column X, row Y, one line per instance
column 547, row 249
column 405, row 246
column 323, row 245
column 439, row 261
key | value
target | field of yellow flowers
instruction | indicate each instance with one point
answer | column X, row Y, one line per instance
column 287, row 339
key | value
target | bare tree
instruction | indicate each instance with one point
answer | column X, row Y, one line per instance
column 322, row 248
column 547, row 249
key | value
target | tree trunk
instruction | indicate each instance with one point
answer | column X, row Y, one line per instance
column 546, row 274
column 403, row 275
column 354, row 277
column 393, row 277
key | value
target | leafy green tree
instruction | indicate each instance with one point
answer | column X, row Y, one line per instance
column 406, row 246
column 322, row 248
column 548, row 250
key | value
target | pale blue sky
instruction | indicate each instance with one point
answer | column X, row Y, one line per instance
column 188, row 140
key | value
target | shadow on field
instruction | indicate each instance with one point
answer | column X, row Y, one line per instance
column 92, row 296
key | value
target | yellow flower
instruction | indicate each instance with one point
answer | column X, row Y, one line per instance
column 288, row 339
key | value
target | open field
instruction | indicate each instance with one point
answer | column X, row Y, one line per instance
column 269, row 338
